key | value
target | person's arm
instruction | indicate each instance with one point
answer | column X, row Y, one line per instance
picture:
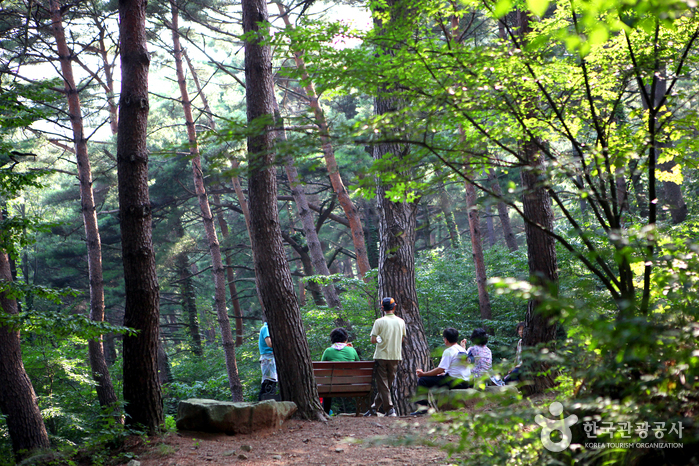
column 435, row 371
column 268, row 341
column 373, row 339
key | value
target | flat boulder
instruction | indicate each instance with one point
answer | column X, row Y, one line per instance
column 232, row 417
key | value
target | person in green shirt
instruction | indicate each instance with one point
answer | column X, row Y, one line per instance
column 340, row 350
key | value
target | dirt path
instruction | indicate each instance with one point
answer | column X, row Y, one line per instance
column 343, row 440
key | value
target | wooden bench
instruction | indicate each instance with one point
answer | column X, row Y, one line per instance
column 350, row 379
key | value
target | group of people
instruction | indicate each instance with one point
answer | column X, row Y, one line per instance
column 459, row 367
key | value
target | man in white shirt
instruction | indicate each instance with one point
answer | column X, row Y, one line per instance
column 453, row 370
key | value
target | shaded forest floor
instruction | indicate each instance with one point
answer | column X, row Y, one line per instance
column 342, row 440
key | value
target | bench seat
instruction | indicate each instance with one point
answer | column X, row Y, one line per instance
column 351, row 379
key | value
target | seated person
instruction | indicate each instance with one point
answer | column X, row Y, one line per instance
column 340, row 350
column 513, row 375
column 452, row 372
column 479, row 354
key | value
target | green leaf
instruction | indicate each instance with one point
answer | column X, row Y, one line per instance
column 538, row 7
column 502, row 8
column 599, row 35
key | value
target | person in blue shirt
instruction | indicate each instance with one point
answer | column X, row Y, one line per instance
column 267, row 364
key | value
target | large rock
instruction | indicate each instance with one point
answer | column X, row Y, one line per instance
column 232, row 418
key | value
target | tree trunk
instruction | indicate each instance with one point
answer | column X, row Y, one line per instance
column 230, row 276
column 142, row 307
column 208, row 220
column 397, row 221
column 164, row 372
column 223, row 225
column 671, row 194
column 489, row 227
column 273, row 277
column 445, row 206
column 543, row 265
column 309, row 228
column 503, row 214
column 474, row 225
column 100, row 371
column 17, row 398
column 330, row 161
column 187, row 293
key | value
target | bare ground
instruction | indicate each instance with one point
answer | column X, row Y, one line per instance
column 342, row 440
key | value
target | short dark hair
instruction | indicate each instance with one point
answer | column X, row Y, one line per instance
column 339, row 335
column 451, row 334
column 479, row 337
column 519, row 325
column 388, row 304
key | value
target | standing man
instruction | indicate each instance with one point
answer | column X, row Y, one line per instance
column 387, row 334
column 267, row 364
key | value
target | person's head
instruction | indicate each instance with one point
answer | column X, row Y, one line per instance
column 451, row 335
column 479, row 337
column 388, row 304
column 339, row 335
column 519, row 329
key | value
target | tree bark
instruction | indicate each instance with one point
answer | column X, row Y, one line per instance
column 445, row 206
column 309, row 228
column 330, row 162
column 503, row 215
column 397, row 279
column 142, row 309
column 187, row 293
column 671, row 192
column 539, row 328
column 100, row 371
column 397, row 221
column 223, row 225
column 490, row 229
column 17, row 398
column 543, row 265
column 273, row 277
column 208, row 220
column 474, row 225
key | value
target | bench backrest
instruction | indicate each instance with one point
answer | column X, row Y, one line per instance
column 343, row 376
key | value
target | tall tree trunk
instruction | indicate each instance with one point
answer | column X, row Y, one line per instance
column 490, row 229
column 273, row 277
column 671, row 192
column 230, row 276
column 474, row 225
column 541, row 247
column 503, row 214
column 100, row 371
column 142, row 308
column 187, row 293
column 208, row 220
column 445, row 206
column 164, row 372
column 223, row 225
column 330, row 161
column 543, row 265
column 17, row 398
column 397, row 222
column 309, row 228
column 307, row 266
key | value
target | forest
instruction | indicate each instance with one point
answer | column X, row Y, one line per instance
column 172, row 173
